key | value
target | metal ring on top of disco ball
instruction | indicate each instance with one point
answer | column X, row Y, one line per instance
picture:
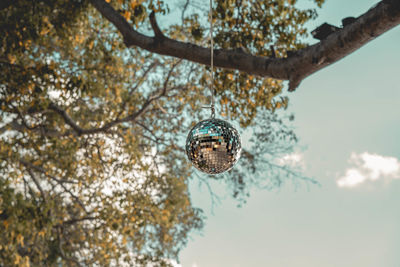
column 213, row 146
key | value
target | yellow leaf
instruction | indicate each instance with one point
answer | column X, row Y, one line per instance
column 41, row 234
column 20, row 239
column 64, row 142
column 79, row 38
column 91, row 45
column 127, row 15
column 134, row 3
column 17, row 259
column 12, row 59
column 5, row 223
column 26, row 262
column 108, row 1
column 165, row 215
column 30, row 87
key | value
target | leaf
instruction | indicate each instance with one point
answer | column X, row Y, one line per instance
column 17, row 259
column 127, row 15
column 26, row 262
column 41, row 234
column 20, row 240
column 134, row 3
column 90, row 45
column 12, row 59
column 5, row 223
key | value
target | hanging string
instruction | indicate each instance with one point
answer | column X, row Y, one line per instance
column 212, row 63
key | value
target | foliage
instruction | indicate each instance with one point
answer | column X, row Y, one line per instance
column 92, row 163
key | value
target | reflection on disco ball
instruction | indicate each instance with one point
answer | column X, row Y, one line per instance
column 213, row 146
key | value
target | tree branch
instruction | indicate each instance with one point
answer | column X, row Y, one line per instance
column 131, row 117
column 30, row 166
column 36, row 183
column 39, row 129
column 155, row 27
column 293, row 68
column 63, row 255
column 82, row 131
column 76, row 220
column 41, row 170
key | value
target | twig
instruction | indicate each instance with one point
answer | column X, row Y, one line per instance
column 63, row 255
column 60, row 182
column 37, row 183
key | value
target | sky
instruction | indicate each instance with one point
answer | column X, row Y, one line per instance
column 348, row 121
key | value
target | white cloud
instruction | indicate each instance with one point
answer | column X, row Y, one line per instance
column 369, row 167
column 293, row 159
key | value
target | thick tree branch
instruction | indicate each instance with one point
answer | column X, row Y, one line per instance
column 294, row 68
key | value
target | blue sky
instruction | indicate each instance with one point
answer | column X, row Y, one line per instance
column 348, row 118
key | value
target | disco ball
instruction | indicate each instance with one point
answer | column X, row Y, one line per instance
column 213, row 146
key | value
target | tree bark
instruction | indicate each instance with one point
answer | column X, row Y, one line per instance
column 294, row 68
